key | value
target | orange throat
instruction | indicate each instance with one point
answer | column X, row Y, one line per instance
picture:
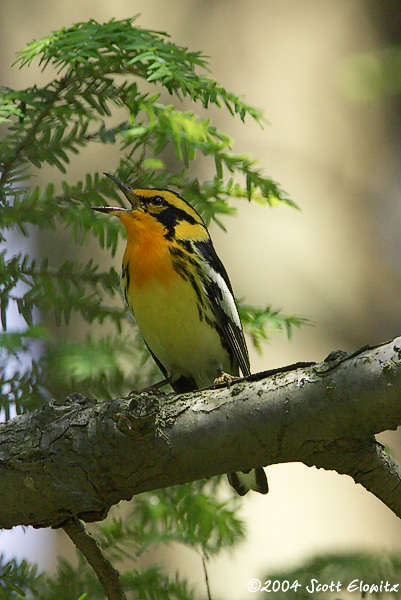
column 147, row 253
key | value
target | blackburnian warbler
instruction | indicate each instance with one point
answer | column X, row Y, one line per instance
column 180, row 295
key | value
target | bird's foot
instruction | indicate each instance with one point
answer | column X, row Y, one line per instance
column 224, row 379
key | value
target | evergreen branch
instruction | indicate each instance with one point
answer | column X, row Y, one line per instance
column 62, row 290
column 45, row 209
column 103, row 367
column 8, row 108
column 153, row 580
column 119, row 47
column 28, row 140
column 189, row 135
column 257, row 186
column 52, row 144
column 89, row 306
column 17, row 577
column 106, row 573
column 185, row 130
column 69, row 273
column 260, row 322
column 161, row 442
column 22, row 387
column 189, row 514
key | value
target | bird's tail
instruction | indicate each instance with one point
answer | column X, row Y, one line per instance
column 243, row 481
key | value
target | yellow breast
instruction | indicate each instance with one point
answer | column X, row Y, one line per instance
column 168, row 318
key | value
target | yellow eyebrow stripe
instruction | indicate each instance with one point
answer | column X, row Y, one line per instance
column 173, row 199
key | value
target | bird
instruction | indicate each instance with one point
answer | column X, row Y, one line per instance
column 182, row 300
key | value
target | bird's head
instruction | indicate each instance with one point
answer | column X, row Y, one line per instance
column 160, row 210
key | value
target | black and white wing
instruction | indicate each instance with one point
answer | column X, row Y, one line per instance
column 220, row 294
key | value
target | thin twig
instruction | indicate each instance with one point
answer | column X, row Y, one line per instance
column 209, row 596
column 108, row 576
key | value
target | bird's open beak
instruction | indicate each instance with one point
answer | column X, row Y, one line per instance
column 126, row 190
column 110, row 209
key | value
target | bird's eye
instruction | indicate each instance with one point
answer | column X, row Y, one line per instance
column 156, row 201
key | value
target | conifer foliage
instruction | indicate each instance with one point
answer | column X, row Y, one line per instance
column 115, row 84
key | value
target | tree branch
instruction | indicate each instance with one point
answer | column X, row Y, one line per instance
column 79, row 458
column 107, row 575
